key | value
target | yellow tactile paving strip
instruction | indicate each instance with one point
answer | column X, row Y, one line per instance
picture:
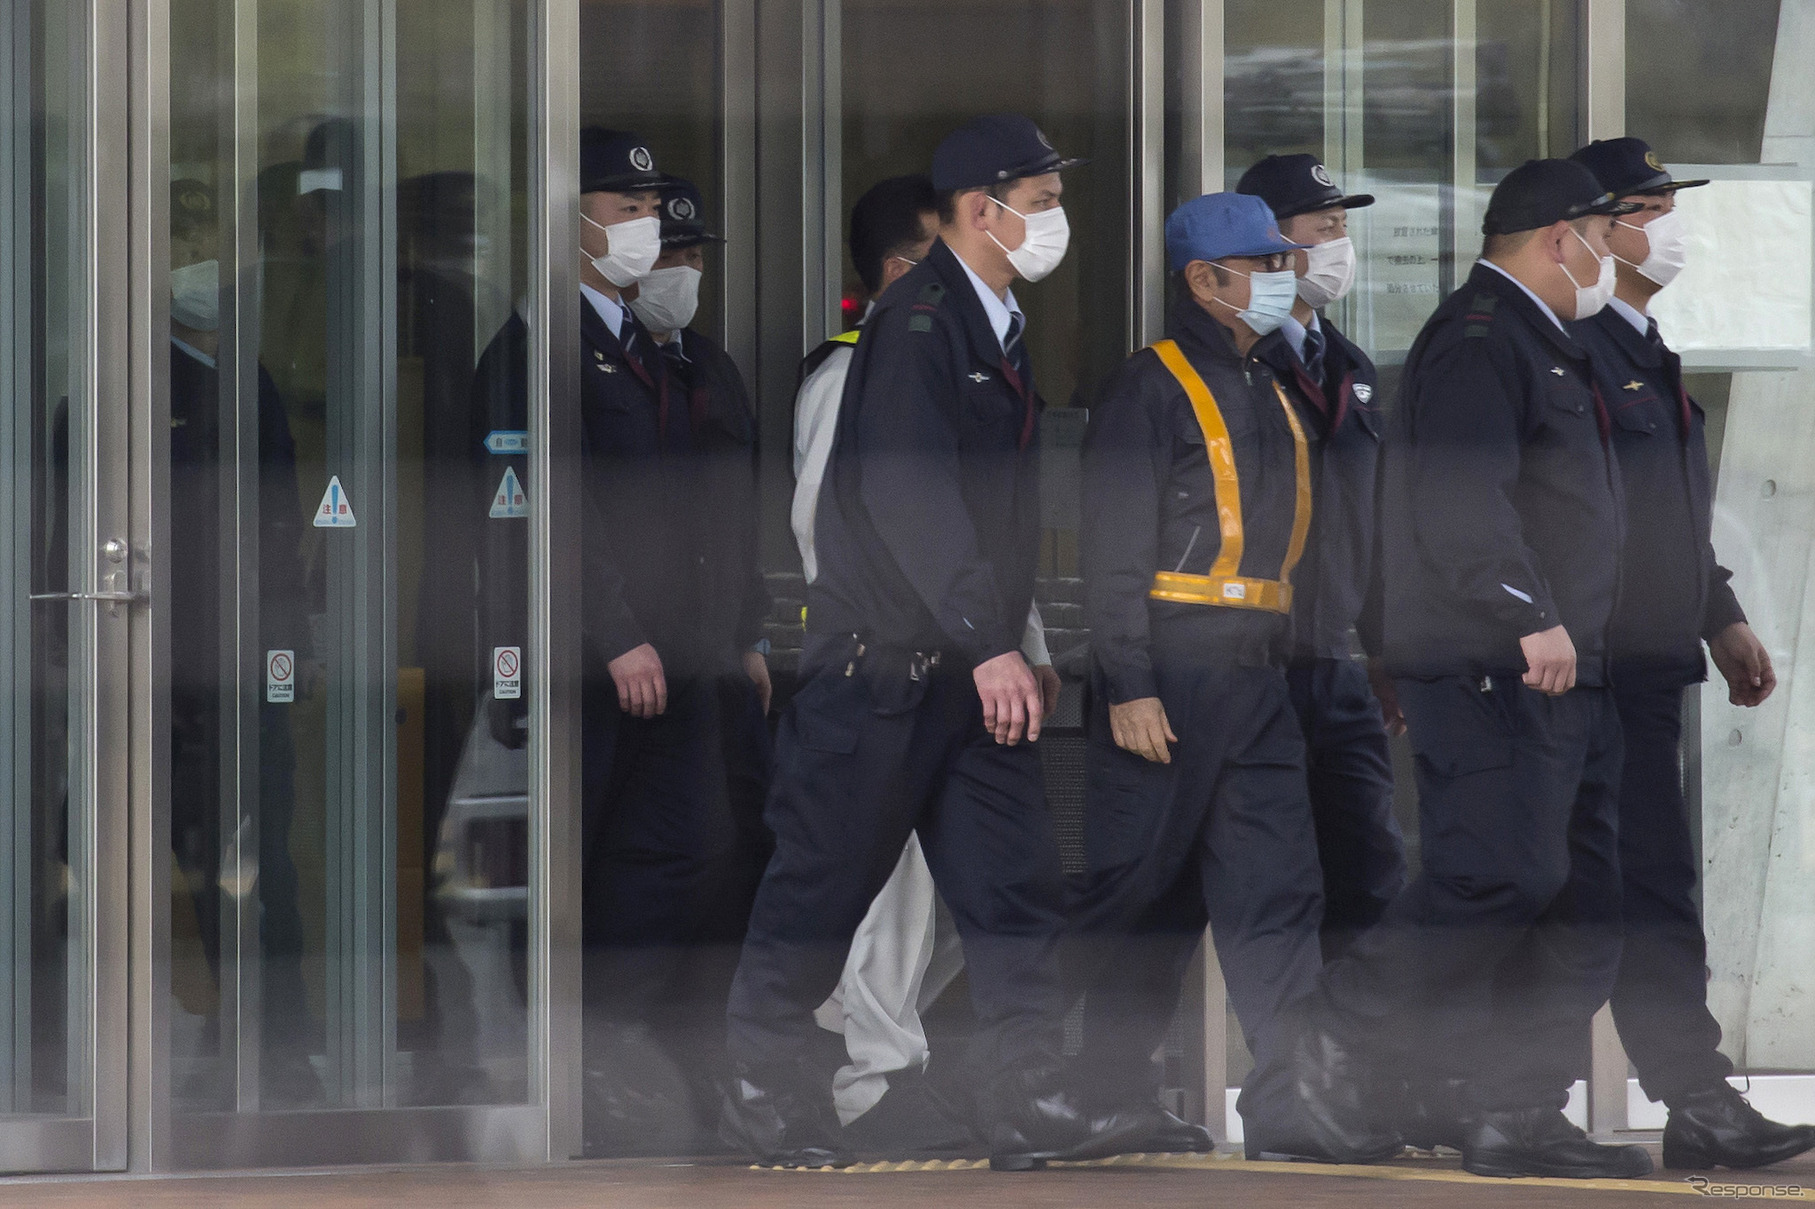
column 1746, row 1185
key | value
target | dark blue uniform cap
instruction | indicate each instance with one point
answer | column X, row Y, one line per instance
column 993, row 150
column 1540, row 192
column 1297, row 184
column 683, row 213
column 1219, row 225
column 616, row 161
column 1627, row 166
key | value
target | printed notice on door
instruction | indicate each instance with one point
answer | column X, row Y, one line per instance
column 507, row 673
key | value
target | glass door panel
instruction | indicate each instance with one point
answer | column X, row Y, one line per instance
column 69, row 587
column 350, row 809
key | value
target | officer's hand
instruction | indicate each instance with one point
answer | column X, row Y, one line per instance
column 1744, row 664
column 1050, row 684
column 1140, row 726
column 642, row 688
column 757, row 668
column 1011, row 698
column 1391, row 716
column 1550, row 660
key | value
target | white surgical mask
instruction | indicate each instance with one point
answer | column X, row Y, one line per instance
column 1270, row 299
column 195, row 295
column 1668, row 235
column 1048, row 235
column 1591, row 299
column 1329, row 272
column 668, row 298
column 631, row 249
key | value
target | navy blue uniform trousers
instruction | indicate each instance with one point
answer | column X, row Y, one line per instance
column 1660, row 1002
column 658, row 834
column 1490, row 965
column 864, row 758
column 1349, row 771
column 1223, row 833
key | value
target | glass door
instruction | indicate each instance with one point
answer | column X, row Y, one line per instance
column 350, row 822
column 71, row 585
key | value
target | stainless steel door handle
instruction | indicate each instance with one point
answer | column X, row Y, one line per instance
column 113, row 593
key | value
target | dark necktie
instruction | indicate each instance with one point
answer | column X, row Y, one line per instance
column 1014, row 369
column 1313, row 355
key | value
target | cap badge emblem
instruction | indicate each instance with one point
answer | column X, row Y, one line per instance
column 641, row 160
column 680, row 209
column 1652, row 162
column 1321, row 175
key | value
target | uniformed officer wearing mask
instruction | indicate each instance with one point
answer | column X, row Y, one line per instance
column 1502, row 517
column 1673, row 597
column 917, row 710
column 1347, row 762
column 662, row 623
column 1197, row 508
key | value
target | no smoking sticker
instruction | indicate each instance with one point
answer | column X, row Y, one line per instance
column 507, row 673
column 280, row 677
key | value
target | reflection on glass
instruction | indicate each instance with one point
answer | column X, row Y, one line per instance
column 1698, row 76
column 349, row 915
column 46, row 541
column 915, row 70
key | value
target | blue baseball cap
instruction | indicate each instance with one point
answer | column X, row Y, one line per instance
column 1218, row 225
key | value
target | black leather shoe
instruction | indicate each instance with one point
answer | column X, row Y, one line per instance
column 780, row 1121
column 1031, row 1118
column 1339, row 1123
column 1715, row 1127
column 1146, row 1128
column 1541, row 1141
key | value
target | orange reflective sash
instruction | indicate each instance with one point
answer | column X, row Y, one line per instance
column 1223, row 585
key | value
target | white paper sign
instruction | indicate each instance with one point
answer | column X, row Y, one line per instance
column 507, row 673
column 1746, row 287
column 280, row 677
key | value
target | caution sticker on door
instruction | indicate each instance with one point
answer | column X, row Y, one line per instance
column 507, row 673
column 280, row 677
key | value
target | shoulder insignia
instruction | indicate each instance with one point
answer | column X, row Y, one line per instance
column 1480, row 314
column 920, row 323
column 932, row 293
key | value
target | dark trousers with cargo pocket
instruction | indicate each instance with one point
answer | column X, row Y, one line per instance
column 874, row 747
column 1660, row 1002
column 1222, row 834
column 1492, row 962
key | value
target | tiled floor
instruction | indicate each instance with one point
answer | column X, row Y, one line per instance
column 1149, row 1183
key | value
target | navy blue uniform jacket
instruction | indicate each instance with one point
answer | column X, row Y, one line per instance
column 1150, row 505
column 1342, row 416
column 1501, row 503
column 1673, row 593
column 928, row 529
column 668, row 541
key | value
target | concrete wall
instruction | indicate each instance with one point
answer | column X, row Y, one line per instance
column 1758, row 766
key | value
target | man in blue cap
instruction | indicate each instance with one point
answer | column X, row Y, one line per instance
column 916, row 709
column 1502, row 517
column 1348, row 764
column 1197, row 508
column 1674, row 596
column 660, row 625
